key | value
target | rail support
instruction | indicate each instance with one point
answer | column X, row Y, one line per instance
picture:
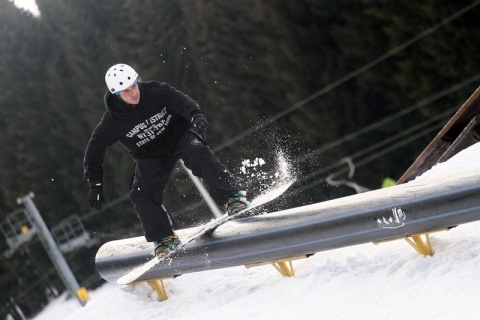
column 284, row 266
column 421, row 245
column 157, row 285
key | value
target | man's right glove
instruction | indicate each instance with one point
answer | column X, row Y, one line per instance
column 95, row 195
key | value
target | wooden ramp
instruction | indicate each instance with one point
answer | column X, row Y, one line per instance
column 460, row 132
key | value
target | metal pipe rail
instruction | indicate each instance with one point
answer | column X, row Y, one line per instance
column 374, row 216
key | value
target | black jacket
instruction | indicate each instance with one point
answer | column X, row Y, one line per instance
column 150, row 129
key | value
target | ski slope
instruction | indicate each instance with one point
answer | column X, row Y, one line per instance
column 386, row 281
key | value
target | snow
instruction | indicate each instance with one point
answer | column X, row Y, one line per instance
column 27, row 5
column 386, row 281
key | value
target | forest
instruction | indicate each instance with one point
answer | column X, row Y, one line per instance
column 322, row 83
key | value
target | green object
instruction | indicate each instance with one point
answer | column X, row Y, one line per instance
column 388, row 182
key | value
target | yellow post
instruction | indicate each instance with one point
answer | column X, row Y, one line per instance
column 159, row 288
column 285, row 269
column 284, row 266
column 24, row 229
column 422, row 247
column 415, row 240
column 83, row 295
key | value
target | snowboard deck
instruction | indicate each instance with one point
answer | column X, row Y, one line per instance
column 262, row 199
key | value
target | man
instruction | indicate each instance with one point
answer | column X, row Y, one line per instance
column 158, row 125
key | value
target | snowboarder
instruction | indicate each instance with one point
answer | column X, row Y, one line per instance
column 158, row 125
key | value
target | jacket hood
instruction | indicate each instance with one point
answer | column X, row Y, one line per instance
column 115, row 105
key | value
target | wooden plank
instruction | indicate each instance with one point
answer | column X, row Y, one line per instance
column 444, row 139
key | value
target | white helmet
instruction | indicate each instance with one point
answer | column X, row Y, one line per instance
column 120, row 77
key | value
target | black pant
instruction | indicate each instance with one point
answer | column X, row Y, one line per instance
column 151, row 176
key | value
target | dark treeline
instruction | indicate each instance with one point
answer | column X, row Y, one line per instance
column 244, row 62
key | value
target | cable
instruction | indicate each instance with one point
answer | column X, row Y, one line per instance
column 388, row 119
column 387, row 141
column 364, row 161
column 418, row 127
column 347, row 77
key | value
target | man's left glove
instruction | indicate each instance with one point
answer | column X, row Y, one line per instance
column 95, row 195
column 200, row 124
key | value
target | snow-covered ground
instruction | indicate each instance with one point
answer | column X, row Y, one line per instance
column 386, row 281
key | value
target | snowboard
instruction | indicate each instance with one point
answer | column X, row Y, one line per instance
column 260, row 200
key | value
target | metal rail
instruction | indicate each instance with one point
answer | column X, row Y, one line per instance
column 375, row 216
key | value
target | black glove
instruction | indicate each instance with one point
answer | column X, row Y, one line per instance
column 200, row 124
column 95, row 195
